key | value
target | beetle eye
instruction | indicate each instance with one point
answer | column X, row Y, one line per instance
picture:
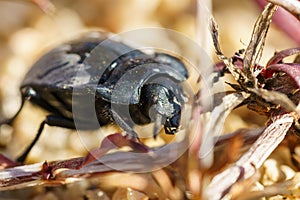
column 28, row 92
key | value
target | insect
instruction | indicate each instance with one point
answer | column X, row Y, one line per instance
column 85, row 73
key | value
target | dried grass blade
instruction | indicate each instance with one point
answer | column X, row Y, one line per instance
column 276, row 98
column 255, row 47
column 234, row 70
column 65, row 171
column 247, row 165
column 214, row 125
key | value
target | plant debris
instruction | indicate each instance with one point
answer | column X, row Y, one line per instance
column 245, row 160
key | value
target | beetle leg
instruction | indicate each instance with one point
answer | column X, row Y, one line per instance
column 22, row 158
column 125, row 126
column 51, row 120
column 56, row 120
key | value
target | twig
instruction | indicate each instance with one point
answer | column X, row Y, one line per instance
column 256, row 45
column 66, row 170
column 247, row 165
column 215, row 124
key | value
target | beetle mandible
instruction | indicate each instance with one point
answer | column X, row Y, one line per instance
column 50, row 85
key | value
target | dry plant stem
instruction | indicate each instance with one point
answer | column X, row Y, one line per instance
column 236, row 72
column 204, row 8
column 247, row 165
column 215, row 124
column 67, row 170
column 255, row 47
column 285, row 19
column 292, row 6
column 246, row 77
column 276, row 98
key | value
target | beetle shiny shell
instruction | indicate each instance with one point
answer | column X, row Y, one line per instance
column 54, row 81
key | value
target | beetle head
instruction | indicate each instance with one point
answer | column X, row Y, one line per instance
column 161, row 105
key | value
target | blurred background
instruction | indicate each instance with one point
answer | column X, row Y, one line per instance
column 26, row 32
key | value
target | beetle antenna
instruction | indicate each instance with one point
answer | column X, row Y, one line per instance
column 157, row 125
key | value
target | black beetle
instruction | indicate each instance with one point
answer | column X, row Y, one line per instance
column 55, row 82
